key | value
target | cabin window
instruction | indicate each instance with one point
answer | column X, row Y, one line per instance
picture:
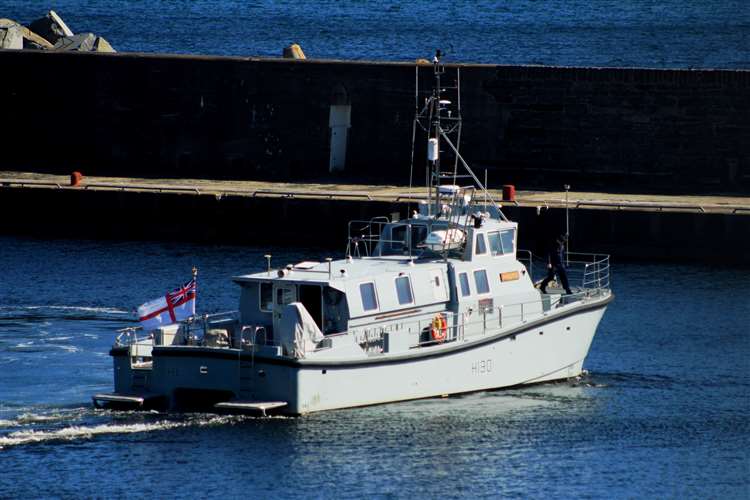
column 398, row 239
column 501, row 242
column 507, row 238
column 496, row 244
column 463, row 280
column 418, row 235
column 285, row 294
column 403, row 290
column 266, row 297
column 480, row 279
column 369, row 298
column 480, row 246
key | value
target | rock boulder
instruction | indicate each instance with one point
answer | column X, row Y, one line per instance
column 294, row 51
column 83, row 42
column 11, row 36
column 33, row 41
column 102, row 45
column 51, row 27
column 30, row 39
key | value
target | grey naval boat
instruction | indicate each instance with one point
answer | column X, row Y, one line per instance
column 439, row 303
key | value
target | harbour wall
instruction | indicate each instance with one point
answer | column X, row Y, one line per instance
column 168, row 116
column 308, row 224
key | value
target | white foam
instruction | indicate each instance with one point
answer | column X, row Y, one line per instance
column 33, row 418
column 109, row 310
column 68, row 348
column 24, row 347
column 73, row 433
column 39, row 418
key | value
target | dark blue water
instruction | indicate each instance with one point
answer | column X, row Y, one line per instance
column 666, row 33
column 662, row 413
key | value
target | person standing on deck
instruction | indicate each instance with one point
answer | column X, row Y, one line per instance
column 556, row 265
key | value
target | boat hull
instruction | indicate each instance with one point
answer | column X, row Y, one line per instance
column 548, row 349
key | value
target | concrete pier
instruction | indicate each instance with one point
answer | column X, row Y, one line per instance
column 639, row 226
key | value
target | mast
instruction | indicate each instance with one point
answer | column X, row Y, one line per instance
column 429, row 120
column 443, row 126
column 435, row 129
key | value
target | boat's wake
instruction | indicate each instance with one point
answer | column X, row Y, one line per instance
column 107, row 310
column 41, row 427
column 624, row 379
column 63, row 312
column 73, row 433
column 25, row 419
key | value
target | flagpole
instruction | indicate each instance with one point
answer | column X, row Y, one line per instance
column 195, row 278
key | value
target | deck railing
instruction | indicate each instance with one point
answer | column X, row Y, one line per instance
column 191, row 329
column 587, row 271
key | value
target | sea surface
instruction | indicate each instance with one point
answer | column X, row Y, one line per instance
column 662, row 413
column 644, row 33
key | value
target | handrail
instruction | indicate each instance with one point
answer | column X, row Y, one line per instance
column 619, row 205
column 592, row 269
column 129, row 335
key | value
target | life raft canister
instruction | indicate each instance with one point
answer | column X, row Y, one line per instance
column 439, row 330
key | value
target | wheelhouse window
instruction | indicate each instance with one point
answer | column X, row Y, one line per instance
column 463, row 280
column 480, row 246
column 403, row 290
column 507, row 237
column 398, row 240
column 397, row 243
column 418, row 235
column 266, row 297
column 480, row 279
column 369, row 298
column 501, row 242
column 496, row 244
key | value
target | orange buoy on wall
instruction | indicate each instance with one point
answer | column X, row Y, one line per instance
column 509, row 192
column 76, row 178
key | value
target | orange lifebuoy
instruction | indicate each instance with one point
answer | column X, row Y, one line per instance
column 439, row 330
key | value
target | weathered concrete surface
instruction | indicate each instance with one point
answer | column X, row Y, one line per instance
column 317, row 215
column 51, row 27
column 599, row 129
column 294, row 51
column 11, row 35
column 102, row 45
column 31, row 40
column 83, row 42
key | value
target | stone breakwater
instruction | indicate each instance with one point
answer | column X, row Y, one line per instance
column 49, row 32
column 167, row 116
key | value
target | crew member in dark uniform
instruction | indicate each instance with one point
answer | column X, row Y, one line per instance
column 556, row 265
